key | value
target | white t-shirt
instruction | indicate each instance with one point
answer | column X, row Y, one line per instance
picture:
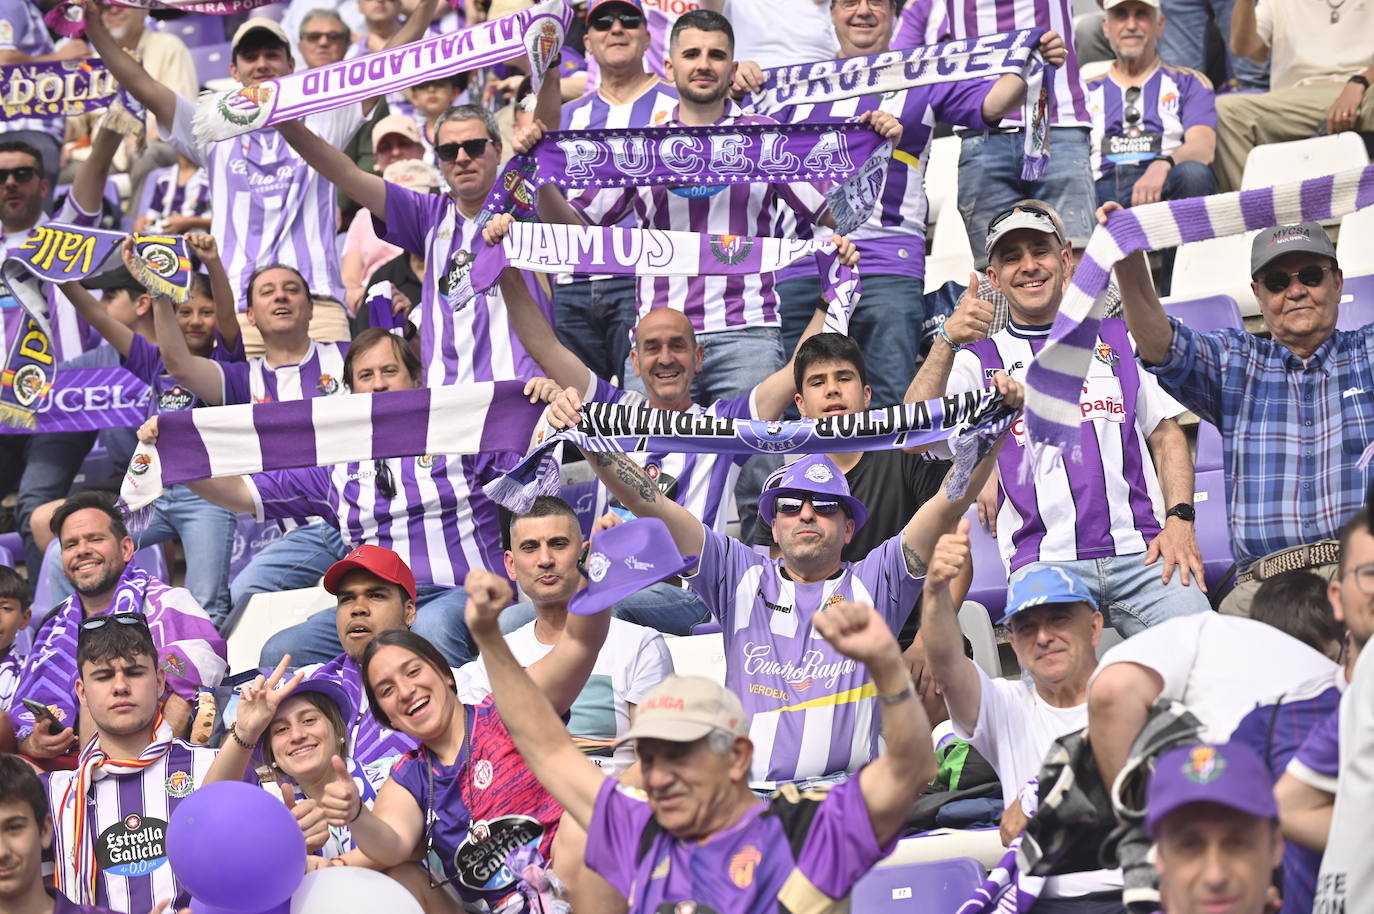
column 1015, row 729
column 1220, row 666
column 633, row 660
column 1307, row 47
column 1345, row 883
column 780, row 33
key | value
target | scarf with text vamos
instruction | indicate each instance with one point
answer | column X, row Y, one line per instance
column 950, row 61
column 536, row 32
column 477, row 418
column 972, row 421
column 54, row 253
column 87, row 399
column 554, row 248
column 1055, row 378
column 700, row 162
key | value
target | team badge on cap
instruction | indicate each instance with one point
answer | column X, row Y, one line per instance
column 597, row 566
column 819, row 473
column 1203, row 765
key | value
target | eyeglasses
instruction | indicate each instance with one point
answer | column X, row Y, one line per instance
column 1131, row 113
column 1364, row 578
column 22, row 175
column 475, row 149
column 313, row 37
column 1310, row 276
column 95, row 623
column 790, row 506
column 628, row 21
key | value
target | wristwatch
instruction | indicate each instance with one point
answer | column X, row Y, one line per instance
column 1165, row 158
column 1183, row 511
column 1360, row 80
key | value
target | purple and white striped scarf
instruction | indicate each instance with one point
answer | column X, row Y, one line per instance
column 481, row 417
column 1055, row 378
column 701, row 160
column 536, row 32
column 972, row 421
column 950, row 61
column 555, row 248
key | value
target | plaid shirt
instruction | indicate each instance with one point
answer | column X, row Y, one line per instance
column 1293, row 432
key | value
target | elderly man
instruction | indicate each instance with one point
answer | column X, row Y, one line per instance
column 696, row 838
column 1154, row 125
column 323, row 38
column 1103, row 517
column 1293, row 410
column 1216, row 829
column 1055, row 627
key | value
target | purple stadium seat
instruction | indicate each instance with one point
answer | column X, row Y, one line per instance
column 151, row 560
column 12, row 543
column 1357, row 303
column 989, row 586
column 935, row 887
column 1213, row 525
column 709, row 627
column 212, row 61
column 1215, row 312
column 196, row 30
column 6, row 557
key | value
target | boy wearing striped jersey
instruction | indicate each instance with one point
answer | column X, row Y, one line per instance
column 15, row 614
column 1099, row 517
column 1154, row 127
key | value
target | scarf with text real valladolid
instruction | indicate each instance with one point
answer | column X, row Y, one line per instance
column 951, row 61
column 1054, row 380
column 972, row 421
column 700, row 162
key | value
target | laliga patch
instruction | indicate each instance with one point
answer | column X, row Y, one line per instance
column 481, row 859
column 133, row 846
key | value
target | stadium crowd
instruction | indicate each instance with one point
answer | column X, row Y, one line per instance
column 692, row 680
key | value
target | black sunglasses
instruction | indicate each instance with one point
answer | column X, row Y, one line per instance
column 22, row 175
column 628, row 21
column 1131, row 113
column 1310, row 276
column 386, row 483
column 95, row 623
column 448, row 152
column 790, row 506
column 312, row 37
column 1020, row 208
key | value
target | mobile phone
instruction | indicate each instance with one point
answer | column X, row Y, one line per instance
column 40, row 712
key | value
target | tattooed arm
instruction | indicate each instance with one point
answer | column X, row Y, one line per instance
column 628, row 482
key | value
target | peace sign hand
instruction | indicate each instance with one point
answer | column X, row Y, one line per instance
column 259, row 700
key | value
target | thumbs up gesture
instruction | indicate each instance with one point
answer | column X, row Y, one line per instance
column 951, row 555
column 341, row 802
column 309, row 816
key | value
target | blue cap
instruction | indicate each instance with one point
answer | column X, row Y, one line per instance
column 1046, row 586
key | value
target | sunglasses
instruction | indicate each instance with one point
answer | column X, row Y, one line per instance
column 789, row 506
column 313, row 37
column 1022, row 208
column 98, row 622
column 628, row 21
column 475, row 149
column 386, row 483
column 22, row 175
column 1310, row 276
column 1131, row 113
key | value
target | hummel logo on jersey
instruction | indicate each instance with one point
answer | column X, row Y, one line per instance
column 776, row 608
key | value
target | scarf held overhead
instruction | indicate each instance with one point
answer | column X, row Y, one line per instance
column 701, row 161
column 477, row 418
column 1055, row 378
column 59, row 88
column 951, row 61
column 973, row 421
column 556, row 248
column 536, row 32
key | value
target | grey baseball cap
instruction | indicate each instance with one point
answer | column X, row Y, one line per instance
column 1021, row 216
column 1273, row 243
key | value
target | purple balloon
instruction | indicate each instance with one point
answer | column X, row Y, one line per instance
column 200, row 907
column 234, row 846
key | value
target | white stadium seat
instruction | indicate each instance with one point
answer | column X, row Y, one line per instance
column 1280, row 163
column 268, row 613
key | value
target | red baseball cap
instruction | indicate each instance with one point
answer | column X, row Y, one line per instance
column 383, row 563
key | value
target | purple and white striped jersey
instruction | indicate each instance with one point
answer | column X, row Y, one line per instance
column 10, row 668
column 319, row 374
column 971, row 18
column 921, row 22
column 811, row 708
column 1172, row 100
column 430, row 509
column 713, row 303
column 266, row 204
column 127, row 816
column 1107, row 504
column 368, row 741
column 704, row 481
column 893, row 239
column 22, row 29
column 172, row 199
column 475, row 342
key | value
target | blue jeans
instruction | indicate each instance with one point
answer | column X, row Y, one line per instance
column 1184, row 42
column 662, row 607
column 990, row 181
column 206, row 532
column 594, row 320
column 1186, row 179
column 438, row 617
column 886, row 323
column 299, row 559
column 1129, row 593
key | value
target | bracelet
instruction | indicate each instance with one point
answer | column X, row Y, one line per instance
column 944, row 335
column 356, row 814
column 234, row 732
column 1165, row 158
column 897, row 698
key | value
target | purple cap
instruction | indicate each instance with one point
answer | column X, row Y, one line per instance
column 1228, row 775
column 815, row 474
column 624, row 560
